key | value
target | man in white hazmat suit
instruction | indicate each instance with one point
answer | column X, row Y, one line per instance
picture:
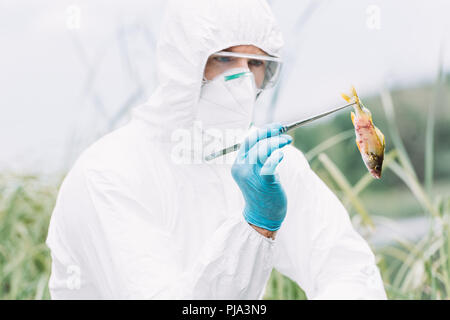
column 131, row 222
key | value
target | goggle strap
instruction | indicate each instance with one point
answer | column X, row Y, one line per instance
column 235, row 76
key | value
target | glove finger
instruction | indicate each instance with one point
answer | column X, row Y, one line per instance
column 256, row 135
column 272, row 162
column 264, row 148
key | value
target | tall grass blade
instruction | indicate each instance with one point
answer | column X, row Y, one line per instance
column 367, row 178
column 388, row 107
column 429, row 134
column 343, row 183
column 412, row 183
column 334, row 140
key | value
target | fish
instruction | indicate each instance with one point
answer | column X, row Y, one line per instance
column 369, row 139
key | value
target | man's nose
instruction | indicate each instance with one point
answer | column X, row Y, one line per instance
column 242, row 63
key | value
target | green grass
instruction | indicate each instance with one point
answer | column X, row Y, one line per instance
column 410, row 270
column 398, row 202
column 25, row 206
column 280, row 287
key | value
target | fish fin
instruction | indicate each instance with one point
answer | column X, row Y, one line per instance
column 370, row 115
column 353, row 118
column 380, row 136
column 346, row 97
column 354, row 98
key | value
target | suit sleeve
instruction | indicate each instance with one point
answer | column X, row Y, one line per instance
column 125, row 252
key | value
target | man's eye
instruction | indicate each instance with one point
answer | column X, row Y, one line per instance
column 256, row 63
column 223, row 59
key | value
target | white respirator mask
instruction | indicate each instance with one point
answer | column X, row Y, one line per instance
column 228, row 100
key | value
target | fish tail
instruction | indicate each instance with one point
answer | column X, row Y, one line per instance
column 356, row 99
column 346, row 97
column 353, row 98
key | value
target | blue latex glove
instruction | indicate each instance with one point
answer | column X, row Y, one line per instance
column 254, row 172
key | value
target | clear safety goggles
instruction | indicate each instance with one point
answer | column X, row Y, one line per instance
column 266, row 69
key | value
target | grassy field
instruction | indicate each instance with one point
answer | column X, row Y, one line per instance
column 411, row 271
column 415, row 183
column 26, row 203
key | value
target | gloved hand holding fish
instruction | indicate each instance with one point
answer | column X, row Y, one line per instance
column 369, row 139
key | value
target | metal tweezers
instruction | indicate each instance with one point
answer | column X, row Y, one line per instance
column 284, row 129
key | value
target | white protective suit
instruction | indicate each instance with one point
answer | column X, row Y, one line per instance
column 130, row 223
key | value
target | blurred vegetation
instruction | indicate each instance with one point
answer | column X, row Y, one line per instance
column 411, row 112
column 26, row 203
column 415, row 182
column 411, row 107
